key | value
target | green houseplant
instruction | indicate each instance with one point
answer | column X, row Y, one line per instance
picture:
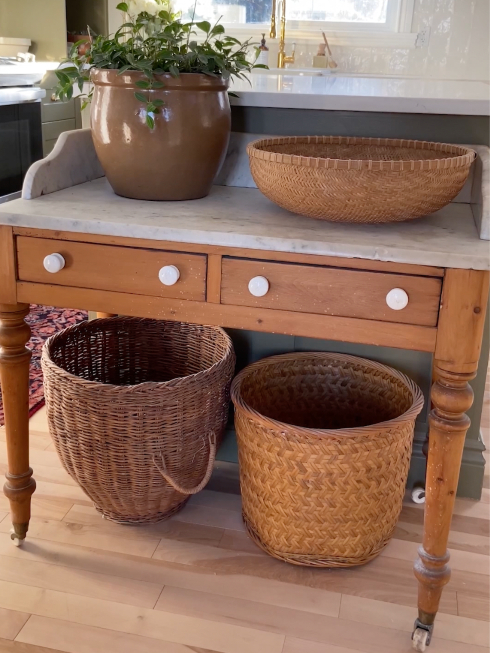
column 160, row 113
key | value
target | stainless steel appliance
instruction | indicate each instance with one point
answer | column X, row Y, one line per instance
column 20, row 123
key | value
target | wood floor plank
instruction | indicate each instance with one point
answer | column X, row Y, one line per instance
column 11, row 623
column 327, row 630
column 402, row 644
column 460, row 523
column 237, row 585
column 215, row 499
column 85, row 583
column 50, row 474
column 36, row 456
column 323, row 629
column 188, row 553
column 54, row 508
column 474, row 607
column 242, row 612
column 39, row 421
column 389, row 615
column 7, row 646
column 79, row 534
column 55, row 490
column 461, row 560
column 224, row 638
column 75, row 638
column 457, row 540
column 171, row 529
column 465, row 508
column 238, row 541
column 37, row 440
column 209, row 516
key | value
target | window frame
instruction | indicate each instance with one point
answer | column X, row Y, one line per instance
column 395, row 32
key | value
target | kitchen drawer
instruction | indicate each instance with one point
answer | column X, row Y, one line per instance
column 54, row 110
column 331, row 291
column 106, row 267
column 52, row 130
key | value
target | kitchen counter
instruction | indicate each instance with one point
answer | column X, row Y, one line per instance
column 13, row 95
column 378, row 94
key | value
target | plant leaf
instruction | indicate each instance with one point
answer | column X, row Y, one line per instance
column 140, row 97
column 123, row 6
column 204, row 26
column 150, row 122
column 142, row 83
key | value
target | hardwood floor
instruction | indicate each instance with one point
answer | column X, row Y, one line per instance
column 197, row 584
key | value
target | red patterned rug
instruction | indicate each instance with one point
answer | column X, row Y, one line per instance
column 44, row 321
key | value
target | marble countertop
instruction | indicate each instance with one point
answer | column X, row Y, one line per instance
column 243, row 217
column 21, row 95
column 383, row 94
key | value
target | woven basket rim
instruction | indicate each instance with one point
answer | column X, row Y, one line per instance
column 48, row 361
column 462, row 156
column 411, row 413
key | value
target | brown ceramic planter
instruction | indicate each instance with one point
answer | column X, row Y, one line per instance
column 180, row 157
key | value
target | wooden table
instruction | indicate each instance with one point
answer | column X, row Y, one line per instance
column 311, row 294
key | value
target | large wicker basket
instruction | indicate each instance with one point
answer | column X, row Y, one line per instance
column 324, row 443
column 136, row 409
column 358, row 179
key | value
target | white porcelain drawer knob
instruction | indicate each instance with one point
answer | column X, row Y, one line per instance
column 54, row 263
column 169, row 275
column 397, row 299
column 258, row 286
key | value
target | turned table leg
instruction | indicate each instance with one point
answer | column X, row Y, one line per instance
column 14, row 379
column 461, row 322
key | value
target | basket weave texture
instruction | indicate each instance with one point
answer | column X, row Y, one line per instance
column 324, row 443
column 136, row 409
column 346, row 179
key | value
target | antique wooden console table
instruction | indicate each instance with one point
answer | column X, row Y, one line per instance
column 421, row 285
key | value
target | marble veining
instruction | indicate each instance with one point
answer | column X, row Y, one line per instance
column 243, row 217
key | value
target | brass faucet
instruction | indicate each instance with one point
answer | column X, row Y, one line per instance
column 282, row 58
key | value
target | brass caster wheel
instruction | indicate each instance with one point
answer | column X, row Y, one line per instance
column 420, row 639
column 15, row 539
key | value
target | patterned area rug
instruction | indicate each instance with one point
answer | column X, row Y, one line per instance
column 44, row 321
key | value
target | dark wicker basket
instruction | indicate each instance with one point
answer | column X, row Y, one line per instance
column 324, row 443
column 136, row 409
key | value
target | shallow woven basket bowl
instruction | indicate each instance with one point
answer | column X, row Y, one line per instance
column 324, row 444
column 136, row 409
column 345, row 179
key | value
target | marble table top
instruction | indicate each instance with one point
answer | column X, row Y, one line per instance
column 243, row 217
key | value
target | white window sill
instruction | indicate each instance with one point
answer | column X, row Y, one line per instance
column 358, row 38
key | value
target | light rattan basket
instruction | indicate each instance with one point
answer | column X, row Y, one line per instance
column 137, row 409
column 324, row 444
column 346, row 179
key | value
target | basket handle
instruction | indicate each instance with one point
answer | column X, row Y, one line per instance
column 162, row 468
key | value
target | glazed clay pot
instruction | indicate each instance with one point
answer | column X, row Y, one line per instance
column 180, row 157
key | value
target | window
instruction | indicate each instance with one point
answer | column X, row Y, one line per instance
column 305, row 15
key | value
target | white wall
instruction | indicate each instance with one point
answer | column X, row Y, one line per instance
column 42, row 21
column 458, row 47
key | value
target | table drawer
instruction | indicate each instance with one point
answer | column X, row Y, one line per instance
column 331, row 291
column 106, row 267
